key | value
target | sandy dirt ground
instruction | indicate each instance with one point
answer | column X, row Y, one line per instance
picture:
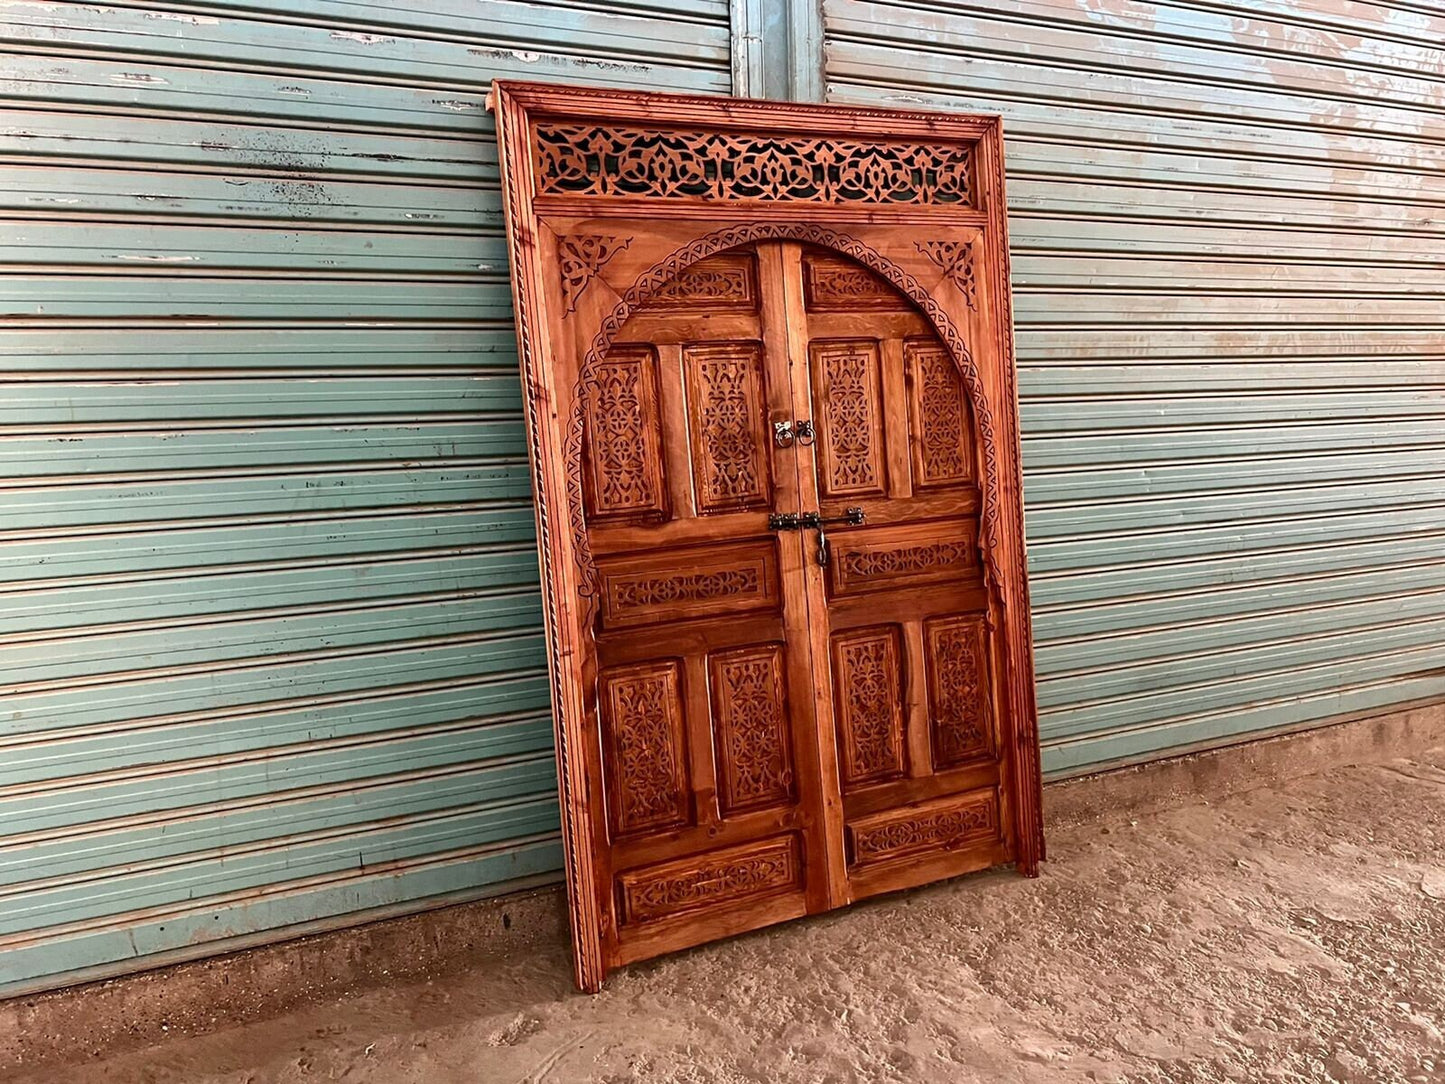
column 1289, row 934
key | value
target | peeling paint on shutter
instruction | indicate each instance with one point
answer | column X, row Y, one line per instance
column 1228, row 223
column 270, row 641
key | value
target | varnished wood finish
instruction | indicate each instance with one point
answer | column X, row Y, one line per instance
column 749, row 727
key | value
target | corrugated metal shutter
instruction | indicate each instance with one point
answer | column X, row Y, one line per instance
column 271, row 649
column 1228, row 222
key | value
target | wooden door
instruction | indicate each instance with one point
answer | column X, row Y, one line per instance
column 709, row 759
column 771, row 410
column 895, row 584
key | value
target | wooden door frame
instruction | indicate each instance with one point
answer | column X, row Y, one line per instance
column 729, row 215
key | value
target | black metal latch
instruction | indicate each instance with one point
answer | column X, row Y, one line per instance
column 804, row 521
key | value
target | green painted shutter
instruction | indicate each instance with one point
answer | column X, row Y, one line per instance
column 269, row 627
column 1228, row 223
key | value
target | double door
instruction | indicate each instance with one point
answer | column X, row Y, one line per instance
column 791, row 653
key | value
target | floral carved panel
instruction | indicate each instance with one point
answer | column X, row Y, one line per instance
column 755, row 763
column 643, row 732
column 580, row 257
column 723, row 283
column 624, row 439
column 831, row 284
column 653, row 588
column 868, row 694
column 942, row 451
column 722, row 877
column 958, row 705
column 955, row 259
column 946, row 824
column 727, row 426
column 878, row 561
column 849, row 405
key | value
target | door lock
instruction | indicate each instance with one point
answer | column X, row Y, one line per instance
column 805, row 521
column 853, row 517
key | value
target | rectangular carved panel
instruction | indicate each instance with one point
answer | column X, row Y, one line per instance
column 678, row 585
column 912, row 556
column 848, row 406
column 942, row 452
column 710, row 880
column 726, row 283
column 945, row 824
column 958, row 701
column 727, row 420
column 624, row 439
column 755, row 764
column 868, row 694
column 642, row 740
column 835, row 284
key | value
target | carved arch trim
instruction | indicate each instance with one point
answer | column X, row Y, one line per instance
column 665, row 270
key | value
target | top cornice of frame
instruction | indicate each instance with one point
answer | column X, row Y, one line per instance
column 664, row 110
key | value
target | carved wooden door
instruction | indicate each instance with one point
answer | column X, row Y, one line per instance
column 777, row 490
column 896, row 589
column 710, row 771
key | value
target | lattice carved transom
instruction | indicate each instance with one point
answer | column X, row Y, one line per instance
column 590, row 160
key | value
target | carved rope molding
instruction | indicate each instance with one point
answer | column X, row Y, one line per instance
column 728, row 237
column 587, row 965
column 1029, row 813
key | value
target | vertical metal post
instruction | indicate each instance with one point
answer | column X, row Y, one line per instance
column 777, row 48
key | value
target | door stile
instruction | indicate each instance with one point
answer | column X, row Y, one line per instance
column 673, row 401
column 785, row 338
column 895, row 419
column 915, row 703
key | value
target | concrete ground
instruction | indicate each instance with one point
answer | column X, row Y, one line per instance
column 1294, row 932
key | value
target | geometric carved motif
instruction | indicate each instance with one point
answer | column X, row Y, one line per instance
column 725, row 387
column 642, row 721
column 581, row 159
column 581, row 256
column 955, row 258
column 957, row 692
column 940, row 417
column 723, row 283
column 831, row 283
column 875, row 566
column 755, row 766
column 710, row 880
column 941, row 825
column 869, row 695
column 849, row 405
column 625, row 437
